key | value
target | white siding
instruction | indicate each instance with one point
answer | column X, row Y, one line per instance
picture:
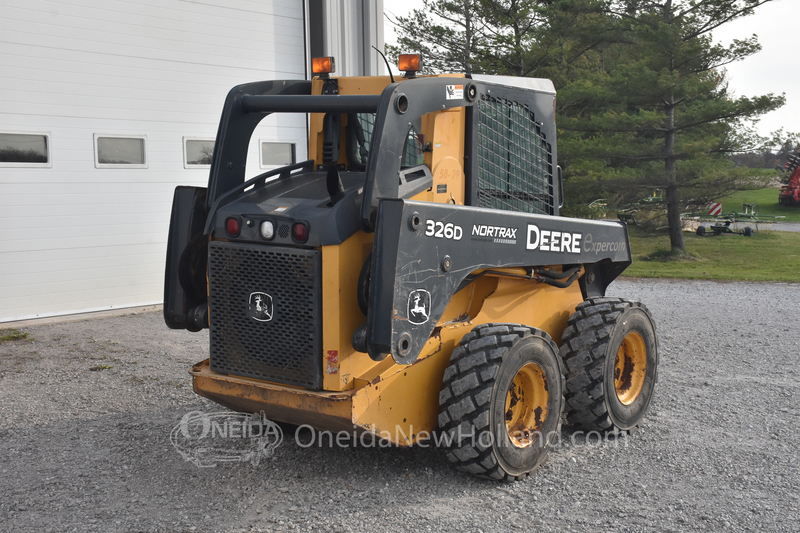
column 352, row 28
column 76, row 238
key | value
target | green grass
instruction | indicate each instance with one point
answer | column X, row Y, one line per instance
column 12, row 335
column 766, row 256
column 767, row 204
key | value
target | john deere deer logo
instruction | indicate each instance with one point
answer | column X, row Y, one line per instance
column 259, row 307
column 419, row 306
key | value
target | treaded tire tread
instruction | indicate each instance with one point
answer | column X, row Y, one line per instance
column 465, row 398
column 583, row 350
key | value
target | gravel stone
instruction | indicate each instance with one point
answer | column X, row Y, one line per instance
column 89, row 450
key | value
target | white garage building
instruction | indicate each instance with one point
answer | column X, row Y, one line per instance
column 107, row 105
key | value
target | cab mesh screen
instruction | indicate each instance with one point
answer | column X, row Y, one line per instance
column 515, row 170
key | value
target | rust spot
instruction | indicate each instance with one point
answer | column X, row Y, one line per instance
column 537, row 418
column 396, row 316
column 457, row 320
column 512, row 402
column 624, row 375
column 435, row 335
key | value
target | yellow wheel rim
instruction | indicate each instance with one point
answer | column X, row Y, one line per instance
column 526, row 405
column 630, row 368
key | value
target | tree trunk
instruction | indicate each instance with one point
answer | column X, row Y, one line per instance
column 673, row 200
column 670, row 177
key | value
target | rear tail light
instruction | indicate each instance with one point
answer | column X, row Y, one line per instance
column 299, row 232
column 232, row 226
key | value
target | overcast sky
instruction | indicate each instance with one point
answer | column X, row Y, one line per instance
column 776, row 69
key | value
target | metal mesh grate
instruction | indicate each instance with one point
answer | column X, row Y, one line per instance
column 515, row 167
column 281, row 342
column 367, row 121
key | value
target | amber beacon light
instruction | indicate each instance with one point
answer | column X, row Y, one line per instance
column 410, row 63
column 323, row 65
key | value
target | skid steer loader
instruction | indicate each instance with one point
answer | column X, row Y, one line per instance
column 412, row 278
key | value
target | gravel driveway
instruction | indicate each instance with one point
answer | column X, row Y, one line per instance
column 86, row 410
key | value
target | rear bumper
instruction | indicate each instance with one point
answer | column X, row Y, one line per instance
column 400, row 405
column 330, row 411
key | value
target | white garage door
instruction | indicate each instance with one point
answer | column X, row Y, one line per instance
column 105, row 107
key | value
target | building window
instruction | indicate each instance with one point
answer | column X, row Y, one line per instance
column 197, row 152
column 25, row 149
column 277, row 154
column 120, row 151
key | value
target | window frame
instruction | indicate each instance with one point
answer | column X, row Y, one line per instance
column 186, row 163
column 99, row 165
column 22, row 164
column 262, row 142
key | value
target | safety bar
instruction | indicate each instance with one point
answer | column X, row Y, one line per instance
column 270, row 103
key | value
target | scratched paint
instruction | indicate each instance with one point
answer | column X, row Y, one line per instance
column 332, row 360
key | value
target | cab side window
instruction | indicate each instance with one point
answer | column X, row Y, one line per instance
column 414, row 148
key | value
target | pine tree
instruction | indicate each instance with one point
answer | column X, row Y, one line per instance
column 448, row 34
column 663, row 101
column 477, row 36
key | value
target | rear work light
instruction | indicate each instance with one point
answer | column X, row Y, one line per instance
column 323, row 65
column 232, row 226
column 299, row 232
column 410, row 64
column 268, row 229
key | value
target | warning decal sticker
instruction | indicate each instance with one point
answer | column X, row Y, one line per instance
column 455, row 92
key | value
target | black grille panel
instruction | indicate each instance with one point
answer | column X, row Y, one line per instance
column 279, row 344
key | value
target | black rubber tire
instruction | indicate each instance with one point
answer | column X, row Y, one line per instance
column 589, row 350
column 192, row 267
column 473, row 396
column 362, row 289
column 748, row 231
column 701, row 230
